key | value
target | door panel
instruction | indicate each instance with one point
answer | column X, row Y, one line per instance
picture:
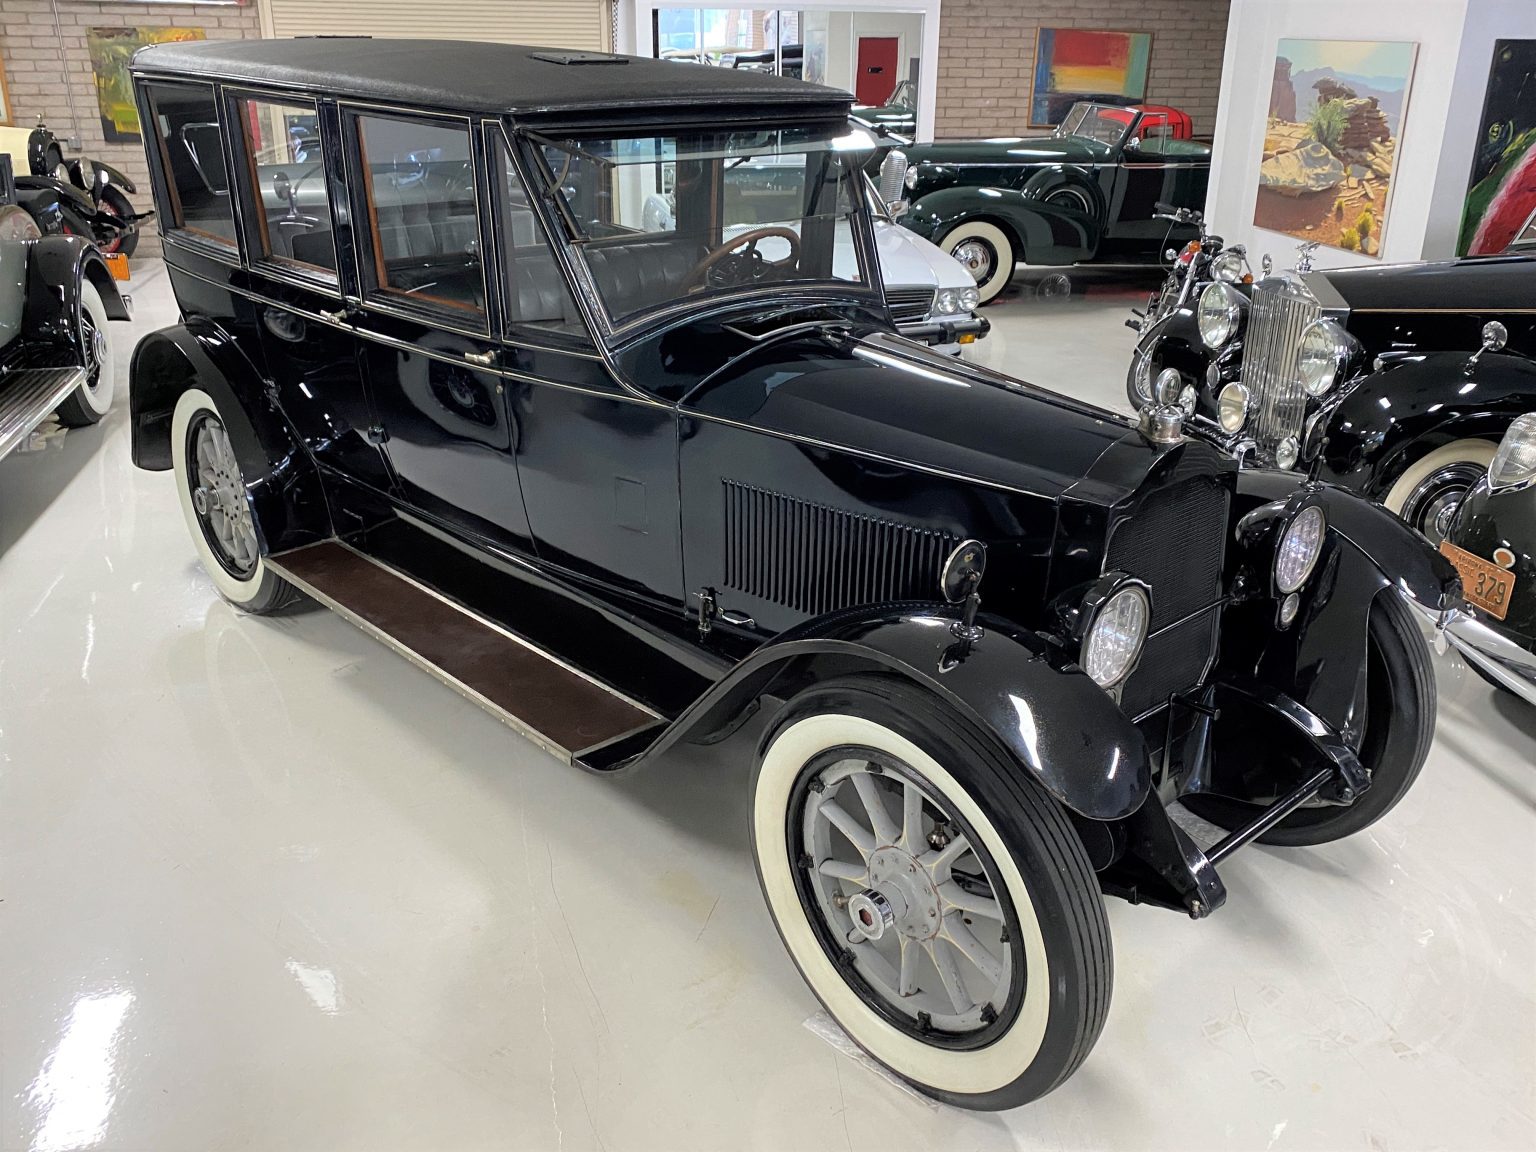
column 876, row 73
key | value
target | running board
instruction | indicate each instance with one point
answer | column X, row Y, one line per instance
column 28, row 396
column 562, row 710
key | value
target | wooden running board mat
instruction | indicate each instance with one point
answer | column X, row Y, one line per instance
column 558, row 708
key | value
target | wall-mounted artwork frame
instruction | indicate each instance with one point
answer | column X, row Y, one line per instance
column 1073, row 64
column 1501, row 191
column 1337, row 110
column 111, row 50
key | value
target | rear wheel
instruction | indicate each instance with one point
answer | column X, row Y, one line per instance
column 1430, row 492
column 936, row 900
column 987, row 253
column 91, row 401
column 1399, row 729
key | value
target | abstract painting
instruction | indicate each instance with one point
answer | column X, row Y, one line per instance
column 1336, row 110
column 111, row 49
column 1073, row 64
column 1501, row 195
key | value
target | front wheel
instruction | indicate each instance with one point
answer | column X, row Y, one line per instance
column 1430, row 492
column 91, row 401
column 936, row 900
column 987, row 253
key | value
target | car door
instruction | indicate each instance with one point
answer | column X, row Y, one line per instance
column 424, row 327
column 1152, row 172
column 287, row 212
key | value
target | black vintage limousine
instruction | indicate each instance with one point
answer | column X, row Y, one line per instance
column 624, row 487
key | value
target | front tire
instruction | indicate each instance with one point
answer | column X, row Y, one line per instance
column 91, row 401
column 1429, row 492
column 991, row 982
column 218, row 510
column 987, row 253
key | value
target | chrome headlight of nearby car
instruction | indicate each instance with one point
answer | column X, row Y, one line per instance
column 1220, row 313
column 970, row 299
column 1232, row 407
column 1514, row 464
column 1116, row 631
column 1300, row 545
column 947, row 302
column 1325, row 349
column 1228, row 267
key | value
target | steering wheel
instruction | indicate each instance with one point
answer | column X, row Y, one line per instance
column 745, row 266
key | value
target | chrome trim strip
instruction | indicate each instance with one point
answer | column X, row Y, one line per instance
column 15, row 427
column 1505, row 662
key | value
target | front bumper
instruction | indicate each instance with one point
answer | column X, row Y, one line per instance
column 952, row 330
column 1500, row 658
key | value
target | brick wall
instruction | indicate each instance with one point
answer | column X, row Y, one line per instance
column 987, row 56
column 30, row 46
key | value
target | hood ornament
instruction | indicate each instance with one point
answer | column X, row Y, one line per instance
column 1162, row 421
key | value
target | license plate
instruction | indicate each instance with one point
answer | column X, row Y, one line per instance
column 117, row 264
column 1486, row 585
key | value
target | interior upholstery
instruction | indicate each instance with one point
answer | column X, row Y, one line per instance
column 633, row 274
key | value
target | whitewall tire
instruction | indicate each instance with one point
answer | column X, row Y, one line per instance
column 1027, row 921
column 987, row 253
column 1428, row 493
column 91, row 401
column 217, row 508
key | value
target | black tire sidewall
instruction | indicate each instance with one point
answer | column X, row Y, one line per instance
column 120, row 206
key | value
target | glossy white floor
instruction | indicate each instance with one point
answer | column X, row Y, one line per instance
column 264, row 885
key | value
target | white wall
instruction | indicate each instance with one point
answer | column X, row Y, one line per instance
column 1434, row 151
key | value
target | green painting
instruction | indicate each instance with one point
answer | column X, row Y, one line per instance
column 111, row 50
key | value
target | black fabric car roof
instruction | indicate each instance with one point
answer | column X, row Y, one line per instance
column 476, row 77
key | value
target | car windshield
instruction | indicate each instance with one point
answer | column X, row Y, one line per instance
column 1104, row 123
column 657, row 219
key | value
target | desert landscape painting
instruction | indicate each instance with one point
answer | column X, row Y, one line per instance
column 1336, row 110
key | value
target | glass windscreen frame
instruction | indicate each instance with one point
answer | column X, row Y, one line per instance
column 1073, row 123
column 619, row 198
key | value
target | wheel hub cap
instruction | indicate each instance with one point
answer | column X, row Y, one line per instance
column 907, row 889
column 977, row 260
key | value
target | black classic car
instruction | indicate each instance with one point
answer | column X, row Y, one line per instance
column 1492, row 541
column 1085, row 193
column 72, row 196
column 1395, row 381
column 624, row 488
column 57, row 299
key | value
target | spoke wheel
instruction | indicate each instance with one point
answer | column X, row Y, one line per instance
column 218, row 494
column 904, row 899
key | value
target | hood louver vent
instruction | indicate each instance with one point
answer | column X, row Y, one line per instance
column 816, row 559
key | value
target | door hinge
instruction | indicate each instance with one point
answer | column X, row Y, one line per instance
column 376, row 434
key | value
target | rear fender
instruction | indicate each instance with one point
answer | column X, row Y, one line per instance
column 1045, row 233
column 281, row 477
column 57, row 266
column 1058, row 726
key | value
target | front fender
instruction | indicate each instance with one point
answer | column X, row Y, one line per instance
column 1058, row 726
column 280, row 475
column 116, row 176
column 1046, row 233
column 57, row 266
column 1370, row 435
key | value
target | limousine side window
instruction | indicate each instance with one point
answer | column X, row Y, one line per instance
column 538, row 299
column 292, row 223
column 186, row 128
column 419, row 192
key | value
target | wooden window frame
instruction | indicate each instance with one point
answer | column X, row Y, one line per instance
column 240, row 100
column 179, row 223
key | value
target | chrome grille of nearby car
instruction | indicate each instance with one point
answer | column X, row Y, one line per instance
column 1281, row 309
column 1175, row 540
column 815, row 559
column 910, row 305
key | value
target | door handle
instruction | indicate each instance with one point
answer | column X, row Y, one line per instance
column 484, row 359
column 340, row 316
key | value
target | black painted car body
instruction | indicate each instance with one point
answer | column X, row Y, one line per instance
column 702, row 498
column 76, row 196
column 1417, row 404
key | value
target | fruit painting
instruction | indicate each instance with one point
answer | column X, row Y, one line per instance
column 1501, row 195
column 1336, row 112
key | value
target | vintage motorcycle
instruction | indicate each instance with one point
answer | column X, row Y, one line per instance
column 72, row 196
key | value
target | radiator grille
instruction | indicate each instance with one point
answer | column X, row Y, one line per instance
column 1282, row 308
column 909, row 305
column 1175, row 540
column 815, row 559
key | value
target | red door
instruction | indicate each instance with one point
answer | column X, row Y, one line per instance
column 877, row 69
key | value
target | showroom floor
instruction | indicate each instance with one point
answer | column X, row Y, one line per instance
column 265, row 885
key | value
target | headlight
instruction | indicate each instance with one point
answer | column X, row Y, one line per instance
column 1324, row 349
column 910, row 179
column 947, row 303
column 1232, row 407
column 1299, row 548
column 1219, row 314
column 1514, row 464
column 970, row 299
column 1114, row 639
column 1228, row 267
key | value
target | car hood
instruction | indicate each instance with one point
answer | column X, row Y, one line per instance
column 1475, row 284
column 1021, row 150
column 879, row 395
column 907, row 260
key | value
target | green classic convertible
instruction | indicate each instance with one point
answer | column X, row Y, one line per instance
column 1085, row 193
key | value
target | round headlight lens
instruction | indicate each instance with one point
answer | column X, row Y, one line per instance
column 1515, row 461
column 970, row 299
column 946, row 304
column 909, row 181
column 1324, row 348
column 1219, row 313
column 1114, row 641
column 1286, row 452
column 1228, row 267
column 1299, row 549
column 1232, row 407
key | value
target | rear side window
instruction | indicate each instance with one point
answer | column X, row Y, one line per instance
column 292, row 217
column 423, row 218
column 186, row 128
